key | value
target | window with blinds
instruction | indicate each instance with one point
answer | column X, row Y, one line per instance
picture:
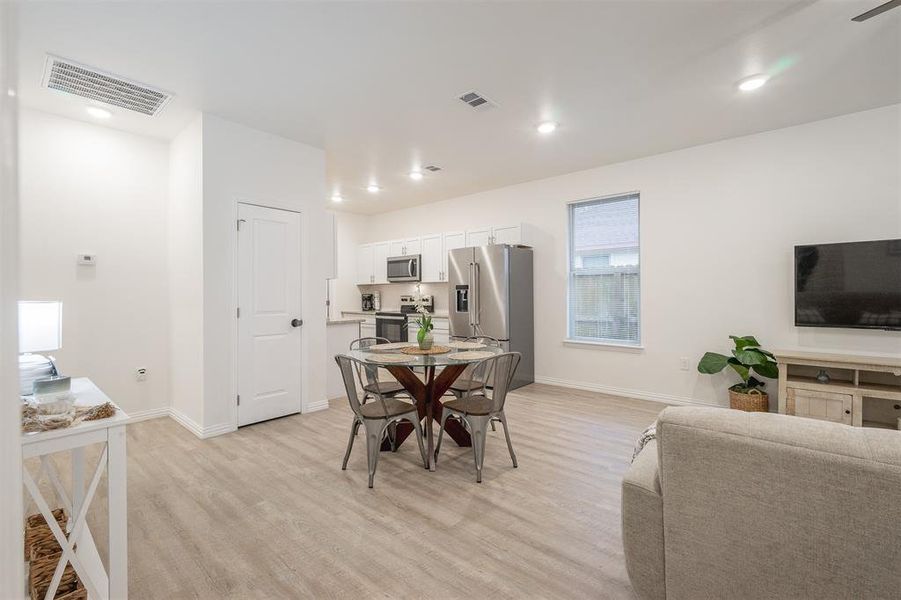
column 604, row 280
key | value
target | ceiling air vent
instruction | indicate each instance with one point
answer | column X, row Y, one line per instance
column 476, row 100
column 431, row 168
column 72, row 78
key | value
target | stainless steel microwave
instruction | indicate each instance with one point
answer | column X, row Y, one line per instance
column 404, row 268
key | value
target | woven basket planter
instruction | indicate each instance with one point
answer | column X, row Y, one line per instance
column 40, row 573
column 38, row 532
column 755, row 401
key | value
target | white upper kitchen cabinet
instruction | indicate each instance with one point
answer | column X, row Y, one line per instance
column 404, row 247
column 413, row 246
column 508, row 234
column 432, row 261
column 452, row 241
column 478, row 237
column 396, row 248
column 380, row 254
column 365, row 274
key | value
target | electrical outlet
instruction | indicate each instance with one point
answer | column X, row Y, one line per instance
column 141, row 374
column 683, row 363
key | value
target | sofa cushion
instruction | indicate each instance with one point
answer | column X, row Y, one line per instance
column 760, row 505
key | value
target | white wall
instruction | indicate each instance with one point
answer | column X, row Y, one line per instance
column 718, row 226
column 185, row 263
column 246, row 165
column 349, row 231
column 87, row 188
column 161, row 218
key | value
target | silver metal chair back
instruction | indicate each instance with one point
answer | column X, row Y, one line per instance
column 503, row 368
column 367, row 375
column 484, row 339
column 350, row 374
column 475, row 378
column 471, row 380
column 366, row 342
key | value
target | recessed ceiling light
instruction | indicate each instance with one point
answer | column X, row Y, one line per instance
column 337, row 198
column 547, row 127
column 415, row 175
column 752, row 83
column 98, row 113
column 373, row 188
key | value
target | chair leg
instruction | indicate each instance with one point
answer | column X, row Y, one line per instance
column 503, row 419
column 392, row 435
column 374, row 430
column 417, row 427
column 477, row 431
column 444, row 417
column 350, row 443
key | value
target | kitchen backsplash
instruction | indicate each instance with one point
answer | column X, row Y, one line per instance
column 392, row 292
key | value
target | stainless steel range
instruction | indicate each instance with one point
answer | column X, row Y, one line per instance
column 393, row 325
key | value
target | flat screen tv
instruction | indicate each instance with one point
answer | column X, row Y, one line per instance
column 854, row 285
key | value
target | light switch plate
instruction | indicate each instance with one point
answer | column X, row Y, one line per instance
column 87, row 259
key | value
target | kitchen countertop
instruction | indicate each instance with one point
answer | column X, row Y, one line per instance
column 371, row 313
column 344, row 321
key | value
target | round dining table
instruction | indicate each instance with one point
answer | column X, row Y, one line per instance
column 426, row 388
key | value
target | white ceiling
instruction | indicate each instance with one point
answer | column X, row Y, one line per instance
column 376, row 84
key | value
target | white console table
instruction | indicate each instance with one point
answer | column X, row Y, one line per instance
column 858, row 384
column 85, row 559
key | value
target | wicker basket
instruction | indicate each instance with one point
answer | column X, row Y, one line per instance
column 37, row 531
column 40, row 574
column 753, row 401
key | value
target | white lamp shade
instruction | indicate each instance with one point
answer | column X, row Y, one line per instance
column 40, row 326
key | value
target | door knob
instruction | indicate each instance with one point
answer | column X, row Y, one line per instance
column 296, row 322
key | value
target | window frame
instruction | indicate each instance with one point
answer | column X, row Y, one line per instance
column 601, row 342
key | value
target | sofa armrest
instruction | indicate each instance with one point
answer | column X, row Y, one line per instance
column 642, row 512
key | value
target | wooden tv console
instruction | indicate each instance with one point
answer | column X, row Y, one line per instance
column 863, row 390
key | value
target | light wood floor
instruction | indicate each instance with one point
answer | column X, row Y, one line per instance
column 266, row 512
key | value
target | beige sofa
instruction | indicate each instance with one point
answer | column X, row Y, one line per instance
column 727, row 504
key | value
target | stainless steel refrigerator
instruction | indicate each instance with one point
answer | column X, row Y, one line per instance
column 490, row 290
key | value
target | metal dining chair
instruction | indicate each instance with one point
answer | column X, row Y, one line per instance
column 465, row 382
column 376, row 417
column 476, row 410
column 375, row 386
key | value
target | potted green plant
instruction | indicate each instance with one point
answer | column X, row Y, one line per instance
column 747, row 358
column 424, row 335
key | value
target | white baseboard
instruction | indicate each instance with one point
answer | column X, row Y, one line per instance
column 186, row 422
column 214, row 430
column 195, row 428
column 153, row 413
column 316, row 406
column 623, row 392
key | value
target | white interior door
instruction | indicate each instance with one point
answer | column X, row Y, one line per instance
column 268, row 302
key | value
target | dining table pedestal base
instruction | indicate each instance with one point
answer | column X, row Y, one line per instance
column 428, row 395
